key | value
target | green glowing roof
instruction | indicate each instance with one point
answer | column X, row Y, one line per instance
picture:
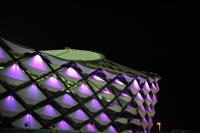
column 75, row 55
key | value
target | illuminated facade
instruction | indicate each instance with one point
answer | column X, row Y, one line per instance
column 73, row 90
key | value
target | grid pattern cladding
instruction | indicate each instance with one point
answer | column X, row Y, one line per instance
column 41, row 91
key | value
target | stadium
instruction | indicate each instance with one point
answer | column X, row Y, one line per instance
column 72, row 90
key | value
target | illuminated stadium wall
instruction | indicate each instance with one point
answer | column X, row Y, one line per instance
column 73, row 90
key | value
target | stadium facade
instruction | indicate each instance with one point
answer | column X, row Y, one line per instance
column 73, row 90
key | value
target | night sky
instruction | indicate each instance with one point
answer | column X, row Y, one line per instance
column 156, row 37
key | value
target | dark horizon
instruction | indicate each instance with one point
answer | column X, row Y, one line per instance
column 157, row 37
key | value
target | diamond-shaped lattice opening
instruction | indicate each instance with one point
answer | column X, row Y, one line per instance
column 142, row 111
column 94, row 105
column 36, row 65
column 131, row 110
column 146, row 88
column 70, row 74
column 114, row 106
column 105, row 96
column 97, row 81
column 93, row 86
column 4, row 57
column 66, row 101
column 82, row 90
column 63, row 125
column 118, row 84
column 144, row 122
column 154, row 100
column 148, row 100
column 103, row 119
column 122, row 120
column 52, row 84
column 89, row 128
column 31, row 94
column 78, row 116
column 139, row 99
column 10, row 106
column 27, row 121
column 47, row 112
column 13, row 75
column 124, row 99
column 135, row 121
column 135, row 87
column 111, row 129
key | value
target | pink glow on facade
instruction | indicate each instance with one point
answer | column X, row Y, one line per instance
column 10, row 103
column 106, row 91
column 103, row 117
column 142, row 108
column 90, row 128
column 62, row 125
column 53, row 82
column 33, row 91
column 37, row 63
column 148, row 98
column 30, row 121
column 119, row 82
column 72, row 73
column 125, row 95
column 95, row 104
column 68, row 100
column 80, row 115
column 84, row 89
column 111, row 129
column 146, row 86
column 139, row 97
column 15, row 72
column 135, row 87
column 97, row 78
column 49, row 111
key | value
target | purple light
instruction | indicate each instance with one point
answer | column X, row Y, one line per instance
column 37, row 63
column 62, row 125
column 95, row 104
column 125, row 95
column 111, row 129
column 29, row 119
column 146, row 86
column 90, row 128
column 103, row 117
column 80, row 115
column 2, row 56
column 148, row 98
column 142, row 108
column 10, row 104
column 68, row 100
column 84, row 89
column 149, row 109
column 119, row 82
column 144, row 120
column 53, row 82
column 15, row 72
column 139, row 97
column 106, row 91
column 155, row 98
column 49, row 111
column 97, row 78
column 153, row 87
column 135, row 87
column 33, row 91
column 72, row 73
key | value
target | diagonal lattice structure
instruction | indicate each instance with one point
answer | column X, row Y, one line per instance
column 55, row 89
